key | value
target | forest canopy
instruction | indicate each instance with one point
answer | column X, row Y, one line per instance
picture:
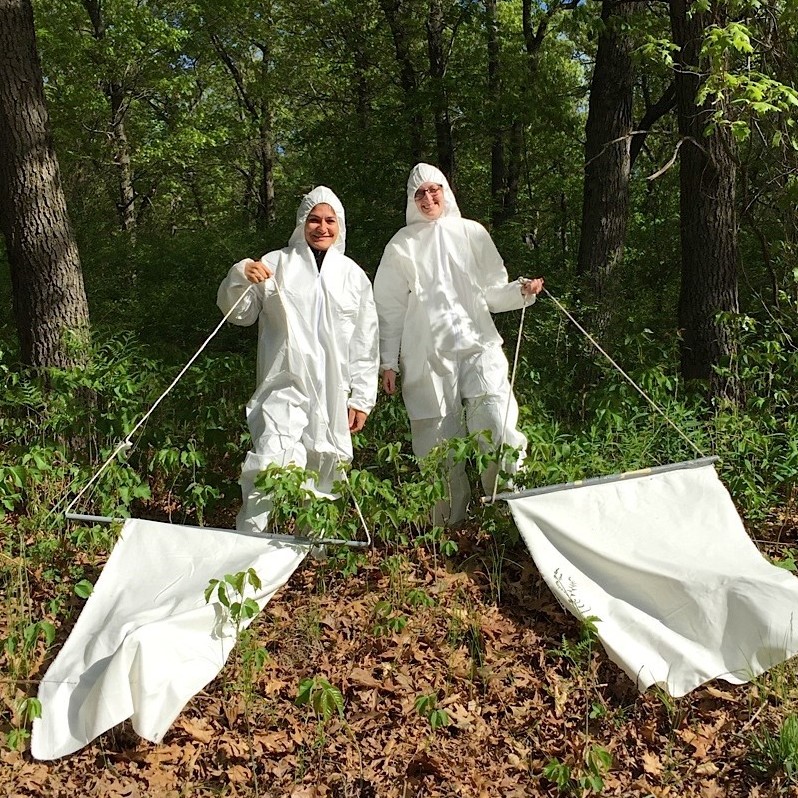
column 191, row 130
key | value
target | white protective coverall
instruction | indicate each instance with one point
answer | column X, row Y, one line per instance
column 317, row 357
column 435, row 288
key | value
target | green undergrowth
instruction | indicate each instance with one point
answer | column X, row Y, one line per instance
column 581, row 420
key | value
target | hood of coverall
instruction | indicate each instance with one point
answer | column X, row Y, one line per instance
column 425, row 173
column 320, row 194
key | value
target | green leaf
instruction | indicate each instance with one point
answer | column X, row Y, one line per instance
column 30, row 708
column 304, row 692
column 84, row 588
column 249, row 609
column 209, row 590
column 438, row 718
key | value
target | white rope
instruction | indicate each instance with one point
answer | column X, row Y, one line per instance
column 127, row 443
column 622, row 372
column 323, row 411
column 595, row 343
column 509, row 397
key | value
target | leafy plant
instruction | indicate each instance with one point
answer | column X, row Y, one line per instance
column 83, row 588
column 789, row 560
column 231, row 594
column 418, row 597
column 387, row 620
column 578, row 652
column 320, row 696
column 426, row 705
column 28, row 709
column 588, row 777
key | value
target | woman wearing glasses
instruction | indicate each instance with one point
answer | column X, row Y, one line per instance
column 439, row 280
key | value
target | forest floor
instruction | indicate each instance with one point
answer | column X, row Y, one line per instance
column 518, row 688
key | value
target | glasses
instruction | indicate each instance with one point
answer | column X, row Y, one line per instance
column 433, row 191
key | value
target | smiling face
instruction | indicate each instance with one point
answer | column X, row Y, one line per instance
column 429, row 200
column 321, row 227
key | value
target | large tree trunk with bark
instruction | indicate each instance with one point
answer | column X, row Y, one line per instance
column 605, row 203
column 708, row 217
column 48, row 293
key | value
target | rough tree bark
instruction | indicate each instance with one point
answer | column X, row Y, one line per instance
column 49, row 298
column 605, row 200
column 708, row 222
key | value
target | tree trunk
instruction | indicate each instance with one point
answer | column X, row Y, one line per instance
column 48, row 295
column 260, row 187
column 605, row 202
column 118, row 107
column 266, row 204
column 407, row 78
column 498, row 175
column 440, row 100
column 708, row 220
column 126, row 204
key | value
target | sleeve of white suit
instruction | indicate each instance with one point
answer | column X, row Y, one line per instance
column 230, row 292
column 364, row 356
column 507, row 297
column 391, row 294
column 500, row 294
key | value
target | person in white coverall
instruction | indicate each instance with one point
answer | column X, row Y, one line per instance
column 439, row 280
column 318, row 359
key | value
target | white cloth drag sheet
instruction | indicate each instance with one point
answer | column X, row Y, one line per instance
column 682, row 593
column 146, row 640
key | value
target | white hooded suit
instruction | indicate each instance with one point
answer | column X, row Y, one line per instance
column 436, row 286
column 317, row 357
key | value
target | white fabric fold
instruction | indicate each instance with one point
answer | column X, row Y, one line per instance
column 682, row 594
column 146, row 640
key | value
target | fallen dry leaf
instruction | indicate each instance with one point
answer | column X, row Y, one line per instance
column 651, row 763
column 198, row 728
column 707, row 769
column 363, row 678
column 724, row 695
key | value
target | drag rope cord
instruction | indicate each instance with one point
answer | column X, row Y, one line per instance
column 642, row 393
column 127, row 444
column 509, row 396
